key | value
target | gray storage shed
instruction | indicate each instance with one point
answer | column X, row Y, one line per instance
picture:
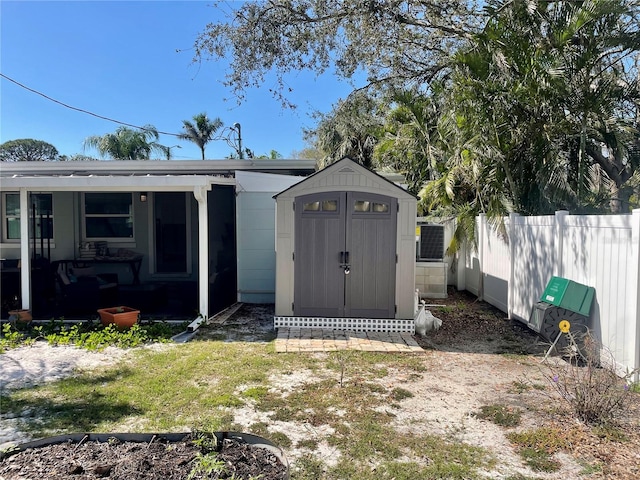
column 345, row 252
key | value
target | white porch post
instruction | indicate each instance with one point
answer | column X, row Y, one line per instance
column 203, row 251
column 25, row 258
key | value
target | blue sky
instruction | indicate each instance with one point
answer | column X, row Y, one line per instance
column 120, row 59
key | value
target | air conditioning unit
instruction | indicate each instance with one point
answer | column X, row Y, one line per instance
column 430, row 242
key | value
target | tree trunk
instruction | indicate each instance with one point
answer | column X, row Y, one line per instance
column 620, row 199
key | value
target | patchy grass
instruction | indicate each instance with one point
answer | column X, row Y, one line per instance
column 609, row 432
column 500, row 415
column 536, row 447
column 196, row 386
column 398, row 394
column 520, row 386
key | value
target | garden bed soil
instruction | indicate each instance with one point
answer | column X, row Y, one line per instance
column 126, row 460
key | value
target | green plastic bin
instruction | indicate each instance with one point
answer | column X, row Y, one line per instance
column 568, row 294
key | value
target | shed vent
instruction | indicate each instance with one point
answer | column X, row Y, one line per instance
column 431, row 243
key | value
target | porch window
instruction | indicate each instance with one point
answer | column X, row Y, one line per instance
column 43, row 203
column 108, row 215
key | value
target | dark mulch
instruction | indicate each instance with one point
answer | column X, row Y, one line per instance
column 122, row 460
column 469, row 325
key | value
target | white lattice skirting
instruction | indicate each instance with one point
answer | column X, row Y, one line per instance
column 352, row 324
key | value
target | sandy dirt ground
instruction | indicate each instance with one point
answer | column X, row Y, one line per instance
column 477, row 358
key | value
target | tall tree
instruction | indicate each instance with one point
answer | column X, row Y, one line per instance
column 548, row 95
column 27, row 150
column 201, row 131
column 402, row 42
column 351, row 129
column 127, row 143
column 412, row 142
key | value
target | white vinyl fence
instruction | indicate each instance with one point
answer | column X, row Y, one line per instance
column 601, row 251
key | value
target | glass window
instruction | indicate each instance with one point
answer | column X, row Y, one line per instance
column 40, row 203
column 323, row 206
column 107, row 203
column 361, row 206
column 330, row 206
column 380, row 207
column 108, row 215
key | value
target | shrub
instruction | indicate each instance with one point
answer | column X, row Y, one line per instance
column 590, row 384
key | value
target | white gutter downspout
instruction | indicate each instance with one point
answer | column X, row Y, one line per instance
column 25, row 258
column 200, row 194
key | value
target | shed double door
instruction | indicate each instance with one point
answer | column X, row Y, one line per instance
column 345, row 255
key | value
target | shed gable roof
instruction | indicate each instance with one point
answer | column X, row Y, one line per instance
column 344, row 175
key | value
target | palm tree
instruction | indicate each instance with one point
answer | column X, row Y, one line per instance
column 201, row 130
column 351, row 130
column 126, row 143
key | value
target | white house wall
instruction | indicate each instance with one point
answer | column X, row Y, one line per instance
column 256, row 247
column 255, row 213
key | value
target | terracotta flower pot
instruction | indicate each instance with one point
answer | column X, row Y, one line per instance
column 123, row 317
column 21, row 315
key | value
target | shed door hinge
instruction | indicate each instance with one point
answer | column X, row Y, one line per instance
column 292, row 306
column 293, row 256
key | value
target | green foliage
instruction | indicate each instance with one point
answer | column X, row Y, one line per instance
column 205, row 440
column 537, row 446
column 27, row 150
column 10, row 337
column 307, row 467
column 127, row 143
column 255, row 393
column 351, row 129
column 502, row 106
column 206, row 465
column 500, row 415
column 384, row 42
column 610, row 432
column 535, row 92
column 398, row 394
column 413, row 142
column 539, row 460
column 89, row 335
column 201, row 131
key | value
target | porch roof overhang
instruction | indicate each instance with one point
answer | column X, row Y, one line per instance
column 111, row 183
column 156, row 167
